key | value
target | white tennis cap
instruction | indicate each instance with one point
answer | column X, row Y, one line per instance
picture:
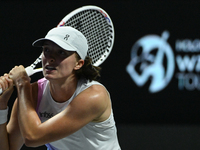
column 67, row 38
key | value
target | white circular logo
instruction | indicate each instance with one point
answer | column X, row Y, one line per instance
column 152, row 58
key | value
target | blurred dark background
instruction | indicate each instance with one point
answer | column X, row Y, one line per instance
column 165, row 120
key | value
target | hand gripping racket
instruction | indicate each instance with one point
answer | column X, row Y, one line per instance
column 30, row 70
column 98, row 29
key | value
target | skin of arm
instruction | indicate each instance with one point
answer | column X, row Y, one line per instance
column 7, row 85
column 14, row 134
column 10, row 134
column 91, row 104
column 15, row 137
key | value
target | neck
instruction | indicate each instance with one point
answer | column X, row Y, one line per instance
column 63, row 90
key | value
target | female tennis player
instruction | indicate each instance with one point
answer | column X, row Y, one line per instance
column 68, row 109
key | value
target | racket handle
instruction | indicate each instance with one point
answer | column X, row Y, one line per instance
column 30, row 71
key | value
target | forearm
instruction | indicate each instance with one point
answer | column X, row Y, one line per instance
column 27, row 116
column 5, row 135
column 6, row 83
column 4, row 144
column 10, row 136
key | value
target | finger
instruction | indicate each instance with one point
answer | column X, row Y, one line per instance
column 6, row 75
column 13, row 69
column 3, row 83
column 10, row 82
column 21, row 66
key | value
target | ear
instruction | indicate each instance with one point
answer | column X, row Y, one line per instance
column 79, row 64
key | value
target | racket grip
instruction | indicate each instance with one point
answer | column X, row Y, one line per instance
column 30, row 71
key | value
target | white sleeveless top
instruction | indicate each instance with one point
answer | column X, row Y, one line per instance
column 93, row 136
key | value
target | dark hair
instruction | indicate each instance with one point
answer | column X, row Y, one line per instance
column 88, row 70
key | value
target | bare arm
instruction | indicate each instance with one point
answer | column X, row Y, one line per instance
column 9, row 134
column 14, row 135
column 91, row 104
column 81, row 111
column 4, row 137
column 5, row 83
column 13, row 130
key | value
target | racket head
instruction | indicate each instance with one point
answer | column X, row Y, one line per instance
column 97, row 26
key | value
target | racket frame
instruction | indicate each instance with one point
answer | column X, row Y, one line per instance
column 109, row 22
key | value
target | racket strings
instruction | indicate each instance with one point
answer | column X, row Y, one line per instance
column 95, row 28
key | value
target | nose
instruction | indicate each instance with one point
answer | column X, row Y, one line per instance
column 51, row 60
column 50, row 57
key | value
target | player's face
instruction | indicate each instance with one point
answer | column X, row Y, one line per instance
column 57, row 62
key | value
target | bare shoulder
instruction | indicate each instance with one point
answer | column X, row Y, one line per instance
column 97, row 90
column 96, row 94
column 94, row 100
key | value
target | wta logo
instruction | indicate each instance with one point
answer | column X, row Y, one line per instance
column 152, row 58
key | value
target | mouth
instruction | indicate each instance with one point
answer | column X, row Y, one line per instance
column 50, row 68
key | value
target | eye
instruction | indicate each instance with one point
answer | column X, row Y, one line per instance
column 45, row 49
column 62, row 53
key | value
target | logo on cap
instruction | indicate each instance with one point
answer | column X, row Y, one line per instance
column 66, row 37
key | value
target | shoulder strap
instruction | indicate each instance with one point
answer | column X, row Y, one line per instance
column 40, row 91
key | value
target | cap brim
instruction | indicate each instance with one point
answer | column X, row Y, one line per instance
column 64, row 45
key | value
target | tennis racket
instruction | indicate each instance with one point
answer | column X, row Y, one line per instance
column 30, row 70
column 97, row 27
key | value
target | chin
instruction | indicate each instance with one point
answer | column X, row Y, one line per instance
column 49, row 76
